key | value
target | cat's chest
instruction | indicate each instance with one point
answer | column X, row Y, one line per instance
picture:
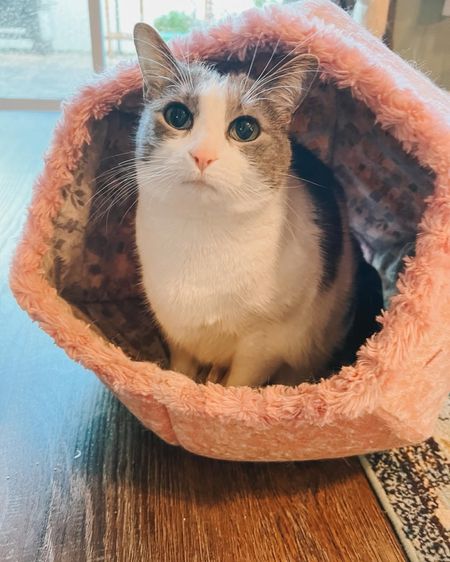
column 199, row 276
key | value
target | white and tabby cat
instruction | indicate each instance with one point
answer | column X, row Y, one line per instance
column 247, row 267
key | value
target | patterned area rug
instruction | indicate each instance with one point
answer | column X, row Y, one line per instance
column 413, row 487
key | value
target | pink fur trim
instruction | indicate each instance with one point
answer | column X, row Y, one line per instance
column 393, row 394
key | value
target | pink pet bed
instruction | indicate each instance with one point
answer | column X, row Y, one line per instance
column 383, row 128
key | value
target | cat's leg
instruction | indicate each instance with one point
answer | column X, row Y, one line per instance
column 183, row 362
column 291, row 376
column 216, row 374
column 253, row 364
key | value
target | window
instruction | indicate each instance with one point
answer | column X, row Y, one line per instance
column 49, row 47
column 45, row 48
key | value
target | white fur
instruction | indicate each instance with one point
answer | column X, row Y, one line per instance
column 232, row 268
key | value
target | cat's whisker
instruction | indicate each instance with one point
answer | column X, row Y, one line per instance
column 113, row 183
column 108, row 203
column 247, row 76
column 153, row 169
column 188, row 67
column 296, row 214
column 279, row 74
column 122, row 162
column 280, row 89
column 116, row 154
column 115, row 175
column 127, row 211
column 102, row 194
column 124, row 165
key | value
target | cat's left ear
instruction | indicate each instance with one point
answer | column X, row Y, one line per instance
column 287, row 82
column 158, row 66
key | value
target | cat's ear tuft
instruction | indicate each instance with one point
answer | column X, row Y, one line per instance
column 158, row 66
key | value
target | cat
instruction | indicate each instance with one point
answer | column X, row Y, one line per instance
column 246, row 266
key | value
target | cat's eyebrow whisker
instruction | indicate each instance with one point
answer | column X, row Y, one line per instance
column 299, row 46
column 278, row 66
column 261, row 89
column 279, row 87
column 278, row 75
column 282, row 70
column 264, row 69
column 188, row 67
column 252, row 61
column 281, row 64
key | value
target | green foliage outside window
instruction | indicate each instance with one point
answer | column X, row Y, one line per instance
column 175, row 22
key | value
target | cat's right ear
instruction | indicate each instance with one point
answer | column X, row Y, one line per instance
column 158, row 66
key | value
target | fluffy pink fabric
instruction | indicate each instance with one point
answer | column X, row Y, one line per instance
column 393, row 394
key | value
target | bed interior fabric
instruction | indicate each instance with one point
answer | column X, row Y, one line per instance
column 92, row 261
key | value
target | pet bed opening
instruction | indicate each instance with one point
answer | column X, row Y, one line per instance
column 92, row 260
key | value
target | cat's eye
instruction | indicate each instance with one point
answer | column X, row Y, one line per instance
column 178, row 116
column 244, row 129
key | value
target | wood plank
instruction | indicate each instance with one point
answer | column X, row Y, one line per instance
column 82, row 480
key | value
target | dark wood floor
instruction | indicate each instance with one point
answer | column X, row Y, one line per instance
column 82, row 480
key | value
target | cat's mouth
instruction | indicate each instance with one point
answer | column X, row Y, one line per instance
column 199, row 183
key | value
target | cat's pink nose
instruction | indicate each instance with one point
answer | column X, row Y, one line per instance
column 203, row 158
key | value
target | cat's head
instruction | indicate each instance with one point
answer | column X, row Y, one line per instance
column 222, row 138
